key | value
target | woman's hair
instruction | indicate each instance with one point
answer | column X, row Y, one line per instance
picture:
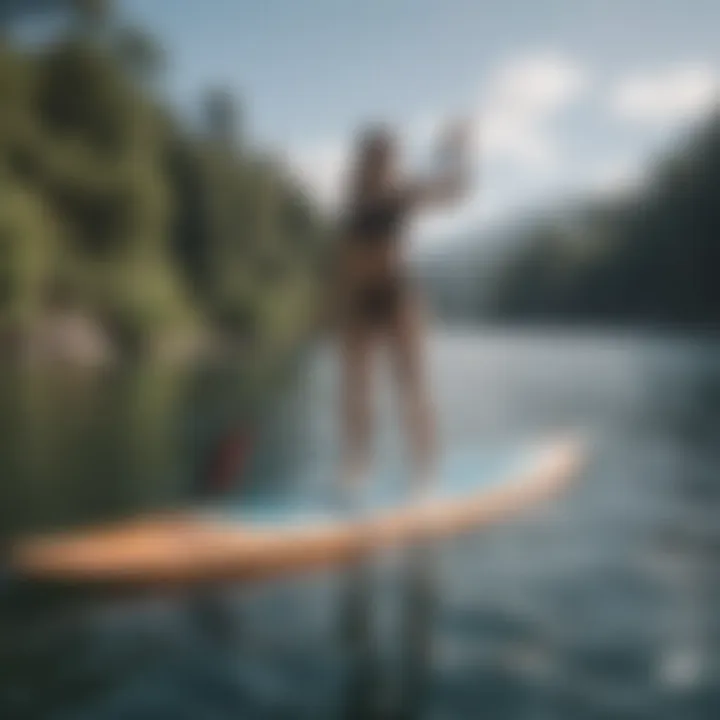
column 375, row 145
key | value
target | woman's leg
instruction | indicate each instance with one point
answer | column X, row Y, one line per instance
column 356, row 350
column 408, row 334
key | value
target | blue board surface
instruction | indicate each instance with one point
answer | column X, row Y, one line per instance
column 462, row 471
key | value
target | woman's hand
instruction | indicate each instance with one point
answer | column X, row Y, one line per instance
column 453, row 172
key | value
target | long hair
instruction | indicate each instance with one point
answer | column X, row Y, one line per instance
column 375, row 143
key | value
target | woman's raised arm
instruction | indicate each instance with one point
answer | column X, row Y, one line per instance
column 453, row 178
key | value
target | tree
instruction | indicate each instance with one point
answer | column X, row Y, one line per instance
column 140, row 55
column 105, row 192
column 649, row 258
column 221, row 116
column 91, row 16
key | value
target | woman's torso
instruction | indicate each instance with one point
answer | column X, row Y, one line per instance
column 374, row 232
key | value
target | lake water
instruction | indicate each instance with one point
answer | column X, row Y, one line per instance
column 601, row 604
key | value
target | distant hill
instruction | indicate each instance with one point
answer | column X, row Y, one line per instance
column 650, row 259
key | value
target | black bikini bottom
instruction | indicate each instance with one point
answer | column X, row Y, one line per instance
column 377, row 303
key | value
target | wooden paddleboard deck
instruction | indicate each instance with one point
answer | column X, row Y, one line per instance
column 204, row 546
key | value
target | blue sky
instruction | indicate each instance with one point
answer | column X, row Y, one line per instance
column 567, row 95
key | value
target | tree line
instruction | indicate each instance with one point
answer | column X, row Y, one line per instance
column 109, row 202
column 645, row 258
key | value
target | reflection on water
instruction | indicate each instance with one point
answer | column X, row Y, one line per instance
column 371, row 691
column 82, row 447
column 600, row 605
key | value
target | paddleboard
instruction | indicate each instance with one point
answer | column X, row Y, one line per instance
column 262, row 536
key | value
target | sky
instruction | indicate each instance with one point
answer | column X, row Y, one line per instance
column 566, row 96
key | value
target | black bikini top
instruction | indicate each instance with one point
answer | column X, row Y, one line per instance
column 377, row 222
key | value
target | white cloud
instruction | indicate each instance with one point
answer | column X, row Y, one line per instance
column 515, row 110
column 322, row 167
column 514, row 116
column 617, row 178
column 520, row 103
column 668, row 96
column 514, row 121
column 508, row 138
column 536, row 86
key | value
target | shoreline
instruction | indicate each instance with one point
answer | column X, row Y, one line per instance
column 80, row 341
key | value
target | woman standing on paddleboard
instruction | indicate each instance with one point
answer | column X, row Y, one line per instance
column 378, row 302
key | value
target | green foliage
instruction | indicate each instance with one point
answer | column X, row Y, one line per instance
column 103, row 193
column 91, row 12
column 26, row 253
column 221, row 116
column 81, row 95
column 140, row 57
column 650, row 258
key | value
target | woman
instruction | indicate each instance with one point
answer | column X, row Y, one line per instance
column 378, row 301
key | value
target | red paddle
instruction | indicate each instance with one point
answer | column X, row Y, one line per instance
column 228, row 461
